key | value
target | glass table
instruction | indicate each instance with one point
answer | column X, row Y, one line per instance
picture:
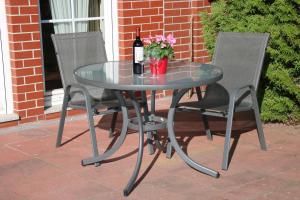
column 118, row 76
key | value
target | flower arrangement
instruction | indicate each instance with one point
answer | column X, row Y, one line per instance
column 159, row 47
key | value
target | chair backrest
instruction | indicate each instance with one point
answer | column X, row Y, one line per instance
column 77, row 49
column 241, row 57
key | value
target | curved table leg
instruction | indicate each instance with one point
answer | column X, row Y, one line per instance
column 134, row 176
column 122, row 136
column 176, row 98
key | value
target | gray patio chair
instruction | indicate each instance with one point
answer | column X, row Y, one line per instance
column 74, row 50
column 241, row 57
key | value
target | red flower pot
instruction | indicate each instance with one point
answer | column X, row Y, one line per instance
column 160, row 66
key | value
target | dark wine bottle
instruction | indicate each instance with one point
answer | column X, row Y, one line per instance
column 138, row 53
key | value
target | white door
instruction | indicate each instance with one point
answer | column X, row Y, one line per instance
column 6, row 102
column 65, row 16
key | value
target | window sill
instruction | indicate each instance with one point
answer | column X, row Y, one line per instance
column 8, row 117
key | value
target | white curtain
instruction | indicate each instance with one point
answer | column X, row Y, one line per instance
column 62, row 9
column 81, row 11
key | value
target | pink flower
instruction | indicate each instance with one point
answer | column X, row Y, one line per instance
column 148, row 40
column 160, row 38
column 171, row 40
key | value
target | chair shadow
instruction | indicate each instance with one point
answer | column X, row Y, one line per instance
column 184, row 137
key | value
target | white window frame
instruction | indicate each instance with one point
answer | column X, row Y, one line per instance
column 110, row 17
column 6, row 100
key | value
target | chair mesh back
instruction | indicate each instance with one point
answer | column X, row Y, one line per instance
column 241, row 56
column 77, row 49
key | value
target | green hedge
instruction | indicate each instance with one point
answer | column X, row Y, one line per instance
column 279, row 93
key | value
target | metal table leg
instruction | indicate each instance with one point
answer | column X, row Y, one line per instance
column 134, row 176
column 122, row 136
column 176, row 98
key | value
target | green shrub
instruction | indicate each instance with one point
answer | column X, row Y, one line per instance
column 279, row 94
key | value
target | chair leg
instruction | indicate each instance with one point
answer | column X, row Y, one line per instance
column 113, row 124
column 228, row 136
column 90, row 112
column 206, row 126
column 62, row 117
column 260, row 131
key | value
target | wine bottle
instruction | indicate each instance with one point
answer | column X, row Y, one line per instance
column 138, row 54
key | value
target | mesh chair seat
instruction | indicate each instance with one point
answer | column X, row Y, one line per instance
column 216, row 99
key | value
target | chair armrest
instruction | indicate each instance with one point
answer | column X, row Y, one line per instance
column 236, row 90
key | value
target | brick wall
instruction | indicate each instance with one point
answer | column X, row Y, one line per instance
column 179, row 17
column 26, row 61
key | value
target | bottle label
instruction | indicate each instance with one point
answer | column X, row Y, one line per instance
column 138, row 54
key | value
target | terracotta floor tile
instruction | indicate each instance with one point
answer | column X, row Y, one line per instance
column 32, row 168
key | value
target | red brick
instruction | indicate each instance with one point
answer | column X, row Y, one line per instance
column 158, row 18
column 14, row 28
column 182, row 19
column 172, row 12
column 34, row 18
column 19, row 97
column 125, row 21
column 125, row 36
column 18, row 80
column 36, row 36
column 33, row 79
column 28, row 119
column 18, row 19
column 34, row 2
column 185, row 26
column 150, row 11
column 34, row 95
column 30, row 27
column 185, row 11
column 17, row 64
column 26, row 105
column 24, row 88
column 168, row 5
column 39, row 86
column 40, row 102
column 23, row 72
column 34, row 111
column 52, row 116
column 140, row 4
column 37, row 53
column 130, row 13
column 182, row 4
column 20, row 37
column 38, row 70
column 29, row 10
column 31, row 45
column 16, row 2
column 124, row 5
column 12, row 10
column 197, row 3
column 141, row 20
column 172, row 27
column 179, row 48
column 32, row 62
column 16, row 46
column 150, row 26
column 22, row 54
column 156, row 4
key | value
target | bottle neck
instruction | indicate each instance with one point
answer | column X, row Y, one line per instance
column 138, row 33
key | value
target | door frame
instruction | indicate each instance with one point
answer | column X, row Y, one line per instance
column 5, row 66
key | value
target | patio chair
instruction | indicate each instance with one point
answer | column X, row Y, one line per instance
column 241, row 57
column 74, row 50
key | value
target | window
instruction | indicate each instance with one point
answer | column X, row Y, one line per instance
column 67, row 16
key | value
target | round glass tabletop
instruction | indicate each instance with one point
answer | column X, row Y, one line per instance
column 118, row 75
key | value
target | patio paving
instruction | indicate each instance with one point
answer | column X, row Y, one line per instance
column 31, row 168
